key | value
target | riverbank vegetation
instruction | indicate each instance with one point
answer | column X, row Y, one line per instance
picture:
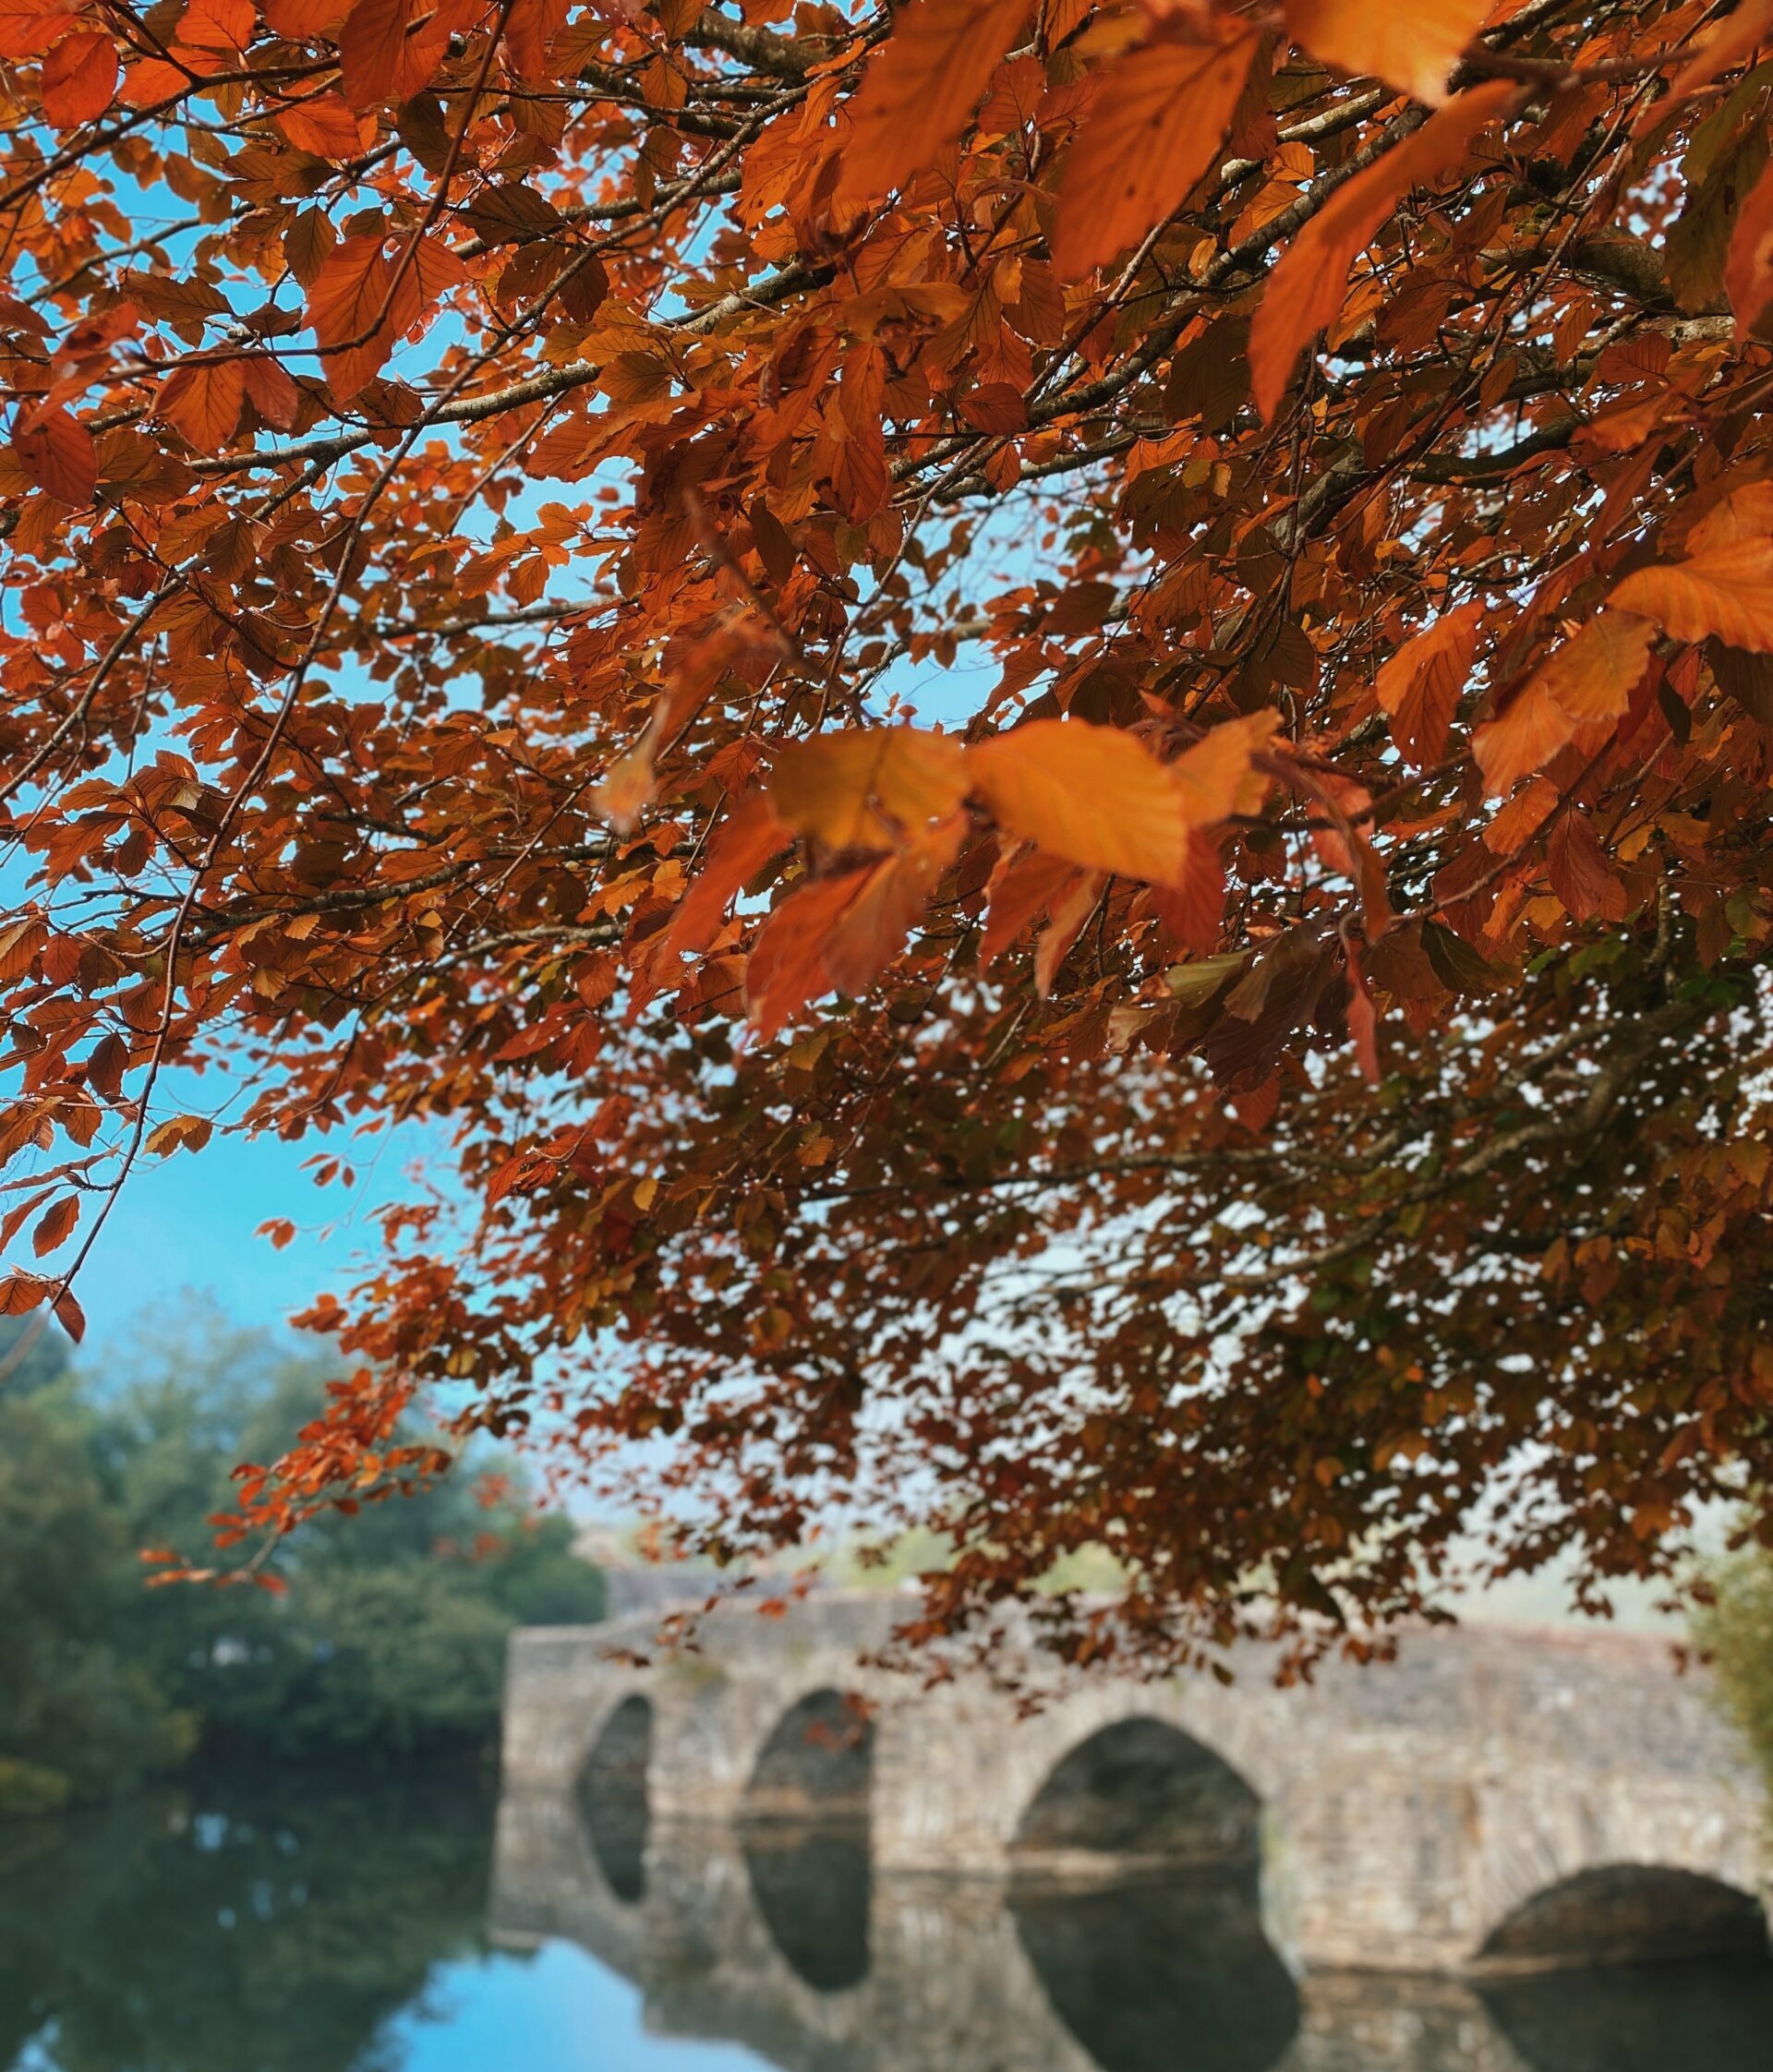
column 380, row 1639
column 1737, row 1631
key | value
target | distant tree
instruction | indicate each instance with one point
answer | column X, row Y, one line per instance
column 80, row 1712
column 1738, row 1631
column 385, row 1635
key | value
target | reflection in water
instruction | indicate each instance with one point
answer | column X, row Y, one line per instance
column 344, row 1930
column 811, row 1886
column 1160, row 1972
column 1711, row 2018
column 219, row 1931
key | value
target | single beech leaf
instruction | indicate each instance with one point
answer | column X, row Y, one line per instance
column 1748, row 270
column 223, row 26
column 1023, row 886
column 1727, row 592
column 304, row 21
column 892, row 899
column 1304, row 292
column 1458, row 966
column 1155, row 127
column 1413, row 45
column 1363, row 1019
column 70, row 1316
column 325, row 126
column 1092, row 794
column 79, row 80
column 21, row 1293
column 1066, row 920
column 55, row 1223
column 1586, row 682
column 202, row 399
column 390, row 50
column 360, row 303
column 29, row 27
column 746, row 840
column 1217, row 777
column 1421, row 684
column 868, row 788
column 786, row 967
column 920, row 88
column 1194, row 909
column 272, row 391
column 1579, row 872
column 56, row 450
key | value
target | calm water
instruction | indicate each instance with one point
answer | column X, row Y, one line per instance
column 381, row 1930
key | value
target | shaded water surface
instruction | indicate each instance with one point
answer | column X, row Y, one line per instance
column 380, row 1929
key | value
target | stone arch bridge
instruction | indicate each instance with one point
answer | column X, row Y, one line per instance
column 1491, row 1799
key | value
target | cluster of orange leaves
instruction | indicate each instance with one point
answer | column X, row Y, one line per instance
column 1022, row 899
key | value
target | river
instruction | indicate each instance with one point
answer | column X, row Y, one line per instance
column 228, row 1927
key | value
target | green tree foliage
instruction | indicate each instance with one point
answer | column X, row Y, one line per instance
column 386, row 1640
column 1738, row 1633
column 79, row 1711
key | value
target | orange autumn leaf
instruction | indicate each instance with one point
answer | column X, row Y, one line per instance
column 272, row 391
column 326, row 126
column 1421, row 684
column 53, row 1227
column 743, row 843
column 390, row 50
column 27, row 27
column 1588, row 679
column 1748, row 270
column 223, row 26
column 56, row 450
column 893, row 897
column 1091, row 794
column 1217, row 776
column 787, row 967
column 867, row 789
column 1413, row 46
column 1022, row 887
column 1305, row 290
column 920, row 88
column 361, row 302
column 303, row 19
column 1727, row 590
column 1155, row 127
column 79, row 80
column 203, row 400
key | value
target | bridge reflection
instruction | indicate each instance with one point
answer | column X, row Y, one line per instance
column 780, row 1937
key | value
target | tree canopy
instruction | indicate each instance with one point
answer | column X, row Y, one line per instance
column 1043, row 729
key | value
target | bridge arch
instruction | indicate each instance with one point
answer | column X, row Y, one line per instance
column 612, row 1797
column 803, row 1830
column 1629, row 1913
column 1139, row 1790
column 816, row 1764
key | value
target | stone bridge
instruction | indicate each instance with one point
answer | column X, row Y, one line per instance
column 1490, row 1799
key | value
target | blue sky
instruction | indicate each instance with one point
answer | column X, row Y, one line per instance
column 188, row 1223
